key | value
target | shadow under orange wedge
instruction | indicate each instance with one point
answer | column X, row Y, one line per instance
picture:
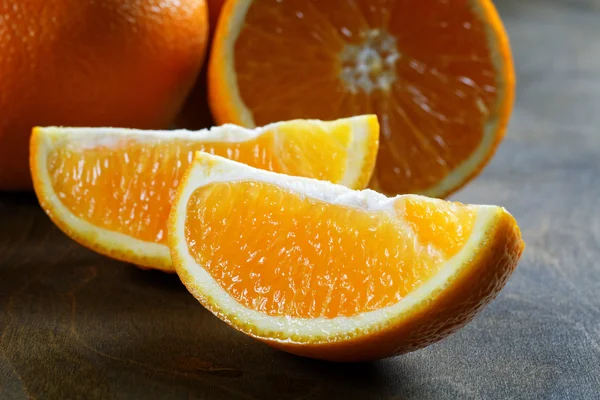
column 111, row 189
column 320, row 270
column 438, row 73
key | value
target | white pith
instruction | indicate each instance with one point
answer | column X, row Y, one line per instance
column 208, row 169
column 370, row 65
column 229, row 133
column 226, row 52
column 88, row 138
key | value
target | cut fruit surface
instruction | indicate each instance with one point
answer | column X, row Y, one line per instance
column 321, row 270
column 439, row 75
column 112, row 189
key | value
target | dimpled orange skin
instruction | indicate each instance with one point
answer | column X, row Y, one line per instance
column 126, row 63
column 473, row 286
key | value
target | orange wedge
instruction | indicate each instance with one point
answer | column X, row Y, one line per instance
column 111, row 189
column 320, row 270
column 439, row 75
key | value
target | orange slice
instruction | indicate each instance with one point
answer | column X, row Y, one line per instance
column 439, row 75
column 111, row 189
column 321, row 270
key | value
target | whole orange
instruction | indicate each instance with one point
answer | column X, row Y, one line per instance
column 128, row 63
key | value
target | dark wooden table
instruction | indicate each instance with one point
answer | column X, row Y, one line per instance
column 78, row 325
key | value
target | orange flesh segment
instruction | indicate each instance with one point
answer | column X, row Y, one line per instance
column 447, row 226
column 285, row 254
column 129, row 187
column 445, row 79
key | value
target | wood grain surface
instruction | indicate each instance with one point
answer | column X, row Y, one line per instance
column 75, row 325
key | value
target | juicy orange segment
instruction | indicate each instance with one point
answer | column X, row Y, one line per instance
column 322, row 270
column 438, row 74
column 124, row 181
column 445, row 225
column 290, row 246
column 128, row 186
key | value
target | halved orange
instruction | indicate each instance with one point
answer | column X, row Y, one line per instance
column 111, row 189
column 324, row 271
column 438, row 73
